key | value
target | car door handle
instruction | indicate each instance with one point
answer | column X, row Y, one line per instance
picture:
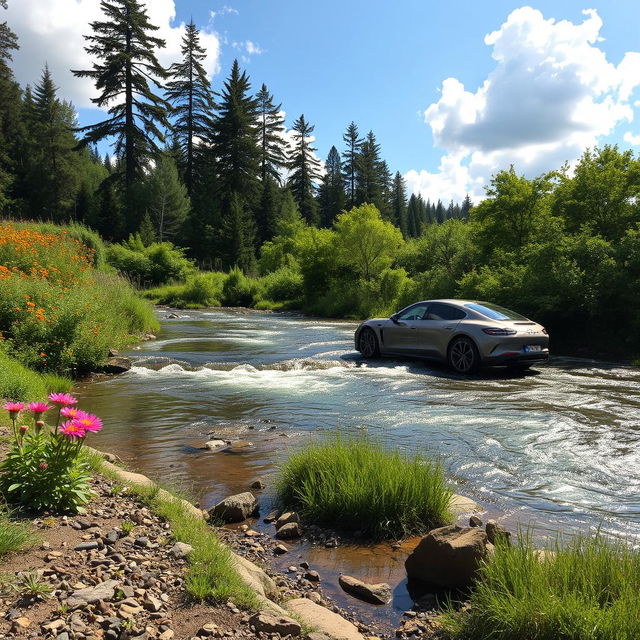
column 449, row 328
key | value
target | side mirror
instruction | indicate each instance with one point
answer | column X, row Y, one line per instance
column 394, row 318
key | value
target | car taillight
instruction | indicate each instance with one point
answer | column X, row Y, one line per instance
column 544, row 331
column 500, row 332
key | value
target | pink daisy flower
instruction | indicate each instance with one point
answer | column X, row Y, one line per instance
column 38, row 408
column 89, row 422
column 14, row 408
column 72, row 412
column 62, row 399
column 72, row 429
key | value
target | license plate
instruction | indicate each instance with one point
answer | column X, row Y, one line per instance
column 530, row 348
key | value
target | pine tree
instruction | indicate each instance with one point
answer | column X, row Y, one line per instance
column 350, row 164
column 147, row 232
column 304, row 168
column 399, row 203
column 466, row 207
column 237, row 235
column 189, row 92
column 414, row 216
column 369, row 176
column 11, row 127
column 440, row 212
column 126, row 65
column 331, row 193
column 386, row 180
column 271, row 127
column 266, row 214
column 168, row 202
column 54, row 162
column 236, row 138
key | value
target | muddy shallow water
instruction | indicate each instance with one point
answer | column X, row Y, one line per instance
column 556, row 449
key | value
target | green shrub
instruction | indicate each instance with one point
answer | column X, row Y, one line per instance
column 157, row 264
column 283, row 285
column 238, row 290
column 587, row 590
column 355, row 484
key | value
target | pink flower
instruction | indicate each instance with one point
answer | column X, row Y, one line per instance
column 89, row 422
column 14, row 408
column 62, row 399
column 72, row 429
column 72, row 412
column 38, row 408
column 23, row 429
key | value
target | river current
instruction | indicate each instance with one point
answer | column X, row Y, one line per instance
column 555, row 449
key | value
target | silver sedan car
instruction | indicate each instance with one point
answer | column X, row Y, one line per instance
column 466, row 334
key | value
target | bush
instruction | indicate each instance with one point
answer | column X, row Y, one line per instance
column 585, row 591
column 283, row 285
column 44, row 470
column 201, row 290
column 354, row 484
column 157, row 264
column 238, row 290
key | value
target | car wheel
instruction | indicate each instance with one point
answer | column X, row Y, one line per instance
column 463, row 355
column 368, row 344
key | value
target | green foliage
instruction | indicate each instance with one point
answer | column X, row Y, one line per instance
column 32, row 586
column 238, row 290
column 156, row 264
column 19, row 383
column 201, row 290
column 355, row 484
column 304, row 168
column 283, row 285
column 14, row 535
column 587, row 590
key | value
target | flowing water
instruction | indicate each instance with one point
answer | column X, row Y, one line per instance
column 555, row 449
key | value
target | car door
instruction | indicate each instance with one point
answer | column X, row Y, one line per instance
column 402, row 335
column 440, row 322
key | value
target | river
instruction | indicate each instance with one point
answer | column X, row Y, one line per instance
column 555, row 449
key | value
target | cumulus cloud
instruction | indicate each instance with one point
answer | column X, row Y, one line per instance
column 551, row 93
column 248, row 48
column 52, row 31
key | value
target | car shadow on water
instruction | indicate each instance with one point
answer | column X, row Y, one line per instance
column 441, row 370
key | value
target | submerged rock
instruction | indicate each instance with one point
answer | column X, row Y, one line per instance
column 373, row 593
column 116, row 365
column 448, row 557
column 215, row 445
column 235, row 508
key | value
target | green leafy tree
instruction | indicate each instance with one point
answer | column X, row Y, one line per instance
column 304, row 168
column 331, row 193
column 167, row 198
column 273, row 156
column 367, row 242
column 189, row 92
column 125, row 71
column 353, row 143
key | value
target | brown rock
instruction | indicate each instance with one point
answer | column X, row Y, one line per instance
column 265, row 622
column 289, row 531
column 495, row 531
column 374, row 593
column 448, row 557
column 286, row 518
column 235, row 508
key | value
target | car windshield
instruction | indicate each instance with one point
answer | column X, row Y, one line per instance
column 494, row 311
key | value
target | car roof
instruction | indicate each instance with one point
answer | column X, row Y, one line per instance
column 448, row 301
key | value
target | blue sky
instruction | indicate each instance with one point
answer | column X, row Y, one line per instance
column 383, row 64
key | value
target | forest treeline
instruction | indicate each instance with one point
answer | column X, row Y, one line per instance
column 213, row 170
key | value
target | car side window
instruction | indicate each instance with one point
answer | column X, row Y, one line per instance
column 413, row 313
column 439, row 311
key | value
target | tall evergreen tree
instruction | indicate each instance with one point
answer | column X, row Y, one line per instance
column 125, row 70
column 466, row 207
column 266, row 213
column 11, row 128
column 53, row 163
column 350, row 164
column 304, row 168
column 399, row 203
column 189, row 91
column 386, row 180
column 440, row 212
column 331, row 193
column 271, row 125
column 237, row 235
column 369, row 177
column 236, row 138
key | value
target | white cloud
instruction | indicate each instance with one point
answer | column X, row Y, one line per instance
column 251, row 48
column 52, row 31
column 223, row 11
column 631, row 139
column 551, row 93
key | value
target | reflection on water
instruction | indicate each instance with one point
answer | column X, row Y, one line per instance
column 557, row 449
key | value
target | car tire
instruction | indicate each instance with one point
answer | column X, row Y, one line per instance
column 463, row 356
column 368, row 343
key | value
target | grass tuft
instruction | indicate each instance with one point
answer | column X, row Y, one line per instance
column 14, row 535
column 587, row 590
column 355, row 484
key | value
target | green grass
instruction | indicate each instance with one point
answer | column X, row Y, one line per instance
column 19, row 383
column 211, row 576
column 588, row 590
column 14, row 535
column 355, row 484
column 200, row 290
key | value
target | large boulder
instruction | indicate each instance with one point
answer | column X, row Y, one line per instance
column 323, row 621
column 235, row 508
column 448, row 557
column 116, row 365
column 373, row 593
